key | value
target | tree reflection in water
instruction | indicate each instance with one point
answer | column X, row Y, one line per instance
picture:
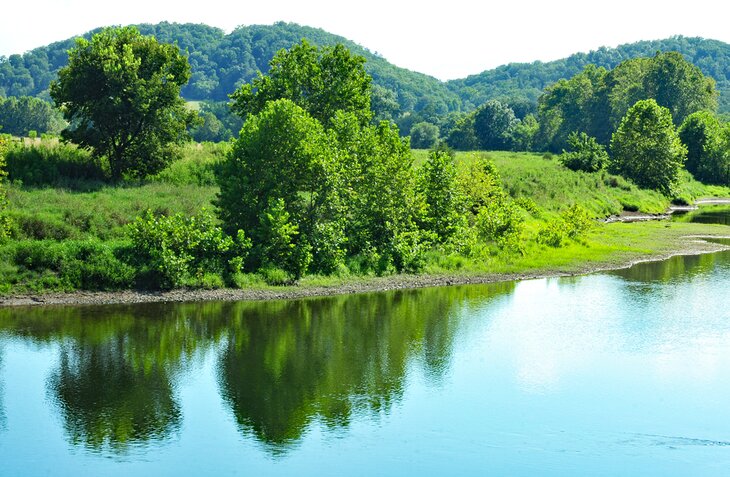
column 281, row 365
column 289, row 363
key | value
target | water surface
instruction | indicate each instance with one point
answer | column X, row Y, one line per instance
column 624, row 373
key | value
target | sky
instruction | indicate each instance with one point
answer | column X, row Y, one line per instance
column 446, row 39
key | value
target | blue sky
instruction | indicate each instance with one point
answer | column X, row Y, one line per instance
column 444, row 39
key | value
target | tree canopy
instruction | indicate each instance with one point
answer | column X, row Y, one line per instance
column 646, row 147
column 321, row 81
column 120, row 94
column 594, row 100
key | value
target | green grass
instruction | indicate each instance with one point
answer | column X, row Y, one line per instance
column 66, row 230
column 554, row 187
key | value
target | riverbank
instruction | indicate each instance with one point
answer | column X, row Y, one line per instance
column 610, row 247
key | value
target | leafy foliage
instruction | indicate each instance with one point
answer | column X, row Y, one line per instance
column 585, row 154
column 646, row 147
column 708, row 147
column 595, row 100
column 20, row 116
column 52, row 163
column 4, row 221
column 438, row 184
column 424, row 135
column 494, row 125
column 321, row 81
column 281, row 184
column 121, row 95
column 171, row 250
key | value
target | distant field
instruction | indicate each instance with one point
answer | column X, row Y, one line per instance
column 553, row 187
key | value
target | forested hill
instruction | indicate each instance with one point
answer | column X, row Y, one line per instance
column 527, row 80
column 221, row 62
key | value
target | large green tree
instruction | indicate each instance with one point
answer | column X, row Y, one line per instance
column 281, row 185
column 646, row 147
column 121, row 95
column 321, row 81
column 679, row 85
column 494, row 125
column 708, row 147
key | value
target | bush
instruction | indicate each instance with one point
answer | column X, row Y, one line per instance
column 499, row 220
column 76, row 265
column 275, row 276
column 172, row 250
column 572, row 224
column 586, row 154
column 51, row 164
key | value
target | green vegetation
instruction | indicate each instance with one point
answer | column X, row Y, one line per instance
column 708, row 147
column 647, row 148
column 25, row 115
column 316, row 187
column 121, row 95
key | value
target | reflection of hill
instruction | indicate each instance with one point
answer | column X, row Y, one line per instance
column 288, row 364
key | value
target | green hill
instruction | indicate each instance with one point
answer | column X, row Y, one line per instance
column 527, row 80
column 221, row 62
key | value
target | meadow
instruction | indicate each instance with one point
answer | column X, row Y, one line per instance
column 70, row 229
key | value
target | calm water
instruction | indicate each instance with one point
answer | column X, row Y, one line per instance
column 626, row 373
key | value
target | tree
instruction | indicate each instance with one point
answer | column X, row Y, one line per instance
column 708, row 147
column 424, row 135
column 461, row 136
column 281, row 185
column 439, row 188
column 525, row 133
column 586, row 154
column 4, row 219
column 19, row 116
column 494, row 125
column 121, row 95
column 577, row 104
column 679, row 85
column 321, row 81
column 646, row 147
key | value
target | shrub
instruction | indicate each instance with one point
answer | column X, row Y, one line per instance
column 586, row 153
column 275, row 276
column 171, row 250
column 50, row 164
column 76, row 265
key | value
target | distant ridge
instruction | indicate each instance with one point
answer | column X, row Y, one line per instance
column 221, row 62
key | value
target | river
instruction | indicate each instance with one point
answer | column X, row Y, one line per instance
column 621, row 373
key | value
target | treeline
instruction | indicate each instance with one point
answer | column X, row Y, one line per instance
column 312, row 185
column 627, row 119
column 516, row 82
column 221, row 62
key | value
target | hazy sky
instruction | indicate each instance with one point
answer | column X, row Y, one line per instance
column 447, row 39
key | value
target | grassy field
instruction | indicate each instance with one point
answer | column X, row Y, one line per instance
column 70, row 234
column 554, row 187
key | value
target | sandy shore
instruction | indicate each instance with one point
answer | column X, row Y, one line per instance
column 690, row 245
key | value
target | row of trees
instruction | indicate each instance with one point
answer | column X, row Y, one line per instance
column 20, row 116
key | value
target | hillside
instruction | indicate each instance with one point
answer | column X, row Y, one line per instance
column 221, row 62
column 527, row 80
